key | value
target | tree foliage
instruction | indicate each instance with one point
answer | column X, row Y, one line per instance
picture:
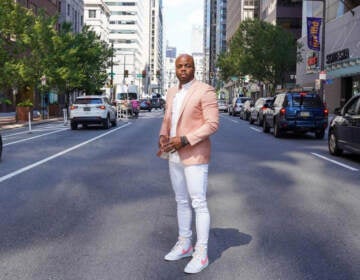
column 262, row 50
column 30, row 47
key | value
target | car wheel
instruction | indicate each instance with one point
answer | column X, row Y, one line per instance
column 266, row 129
column 114, row 122
column 333, row 144
column 74, row 125
column 277, row 130
column 251, row 121
column 107, row 123
column 320, row 134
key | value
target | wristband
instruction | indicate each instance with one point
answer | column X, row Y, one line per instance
column 184, row 141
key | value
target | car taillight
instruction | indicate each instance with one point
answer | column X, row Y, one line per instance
column 73, row 107
column 282, row 112
column 101, row 107
column 263, row 108
column 326, row 112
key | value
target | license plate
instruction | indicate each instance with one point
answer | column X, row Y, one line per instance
column 86, row 108
column 304, row 114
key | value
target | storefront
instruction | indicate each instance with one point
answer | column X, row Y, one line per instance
column 342, row 60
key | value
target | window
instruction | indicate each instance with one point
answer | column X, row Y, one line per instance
column 92, row 13
column 68, row 9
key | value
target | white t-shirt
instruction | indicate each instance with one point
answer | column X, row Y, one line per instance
column 177, row 102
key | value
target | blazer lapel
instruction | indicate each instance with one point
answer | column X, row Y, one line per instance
column 187, row 97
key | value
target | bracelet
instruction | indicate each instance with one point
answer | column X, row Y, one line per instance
column 184, row 141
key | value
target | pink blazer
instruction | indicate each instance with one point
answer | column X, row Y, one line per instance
column 198, row 119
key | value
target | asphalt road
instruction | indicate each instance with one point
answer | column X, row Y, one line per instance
column 97, row 204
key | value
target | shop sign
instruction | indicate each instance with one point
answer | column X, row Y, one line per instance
column 337, row 56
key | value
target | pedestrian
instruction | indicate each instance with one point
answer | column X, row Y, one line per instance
column 191, row 116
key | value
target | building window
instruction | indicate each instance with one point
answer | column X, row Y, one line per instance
column 92, row 13
column 68, row 9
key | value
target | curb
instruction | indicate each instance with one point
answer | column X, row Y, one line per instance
column 10, row 126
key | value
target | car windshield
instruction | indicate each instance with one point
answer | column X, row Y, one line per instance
column 88, row 101
column 307, row 100
column 125, row 95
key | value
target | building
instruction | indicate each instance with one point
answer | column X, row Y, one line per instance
column 341, row 51
column 72, row 11
column 155, row 69
column 97, row 16
column 50, row 7
column 170, row 79
column 129, row 34
column 215, row 15
column 196, row 39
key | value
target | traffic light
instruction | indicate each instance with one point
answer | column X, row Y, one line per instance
column 143, row 74
column 158, row 73
column 126, row 73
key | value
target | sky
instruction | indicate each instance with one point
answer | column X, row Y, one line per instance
column 179, row 17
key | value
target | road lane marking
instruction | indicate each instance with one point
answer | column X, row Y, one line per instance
column 26, row 168
column 256, row 129
column 31, row 138
column 336, row 162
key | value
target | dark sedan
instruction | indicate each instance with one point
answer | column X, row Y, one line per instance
column 344, row 128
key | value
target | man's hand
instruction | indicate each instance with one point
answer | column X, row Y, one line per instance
column 163, row 140
column 173, row 145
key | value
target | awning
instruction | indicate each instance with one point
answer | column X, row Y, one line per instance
column 345, row 68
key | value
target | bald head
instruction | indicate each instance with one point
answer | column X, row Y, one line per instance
column 185, row 68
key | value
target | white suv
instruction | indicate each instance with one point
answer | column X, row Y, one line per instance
column 92, row 109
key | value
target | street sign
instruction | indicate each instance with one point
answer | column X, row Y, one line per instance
column 138, row 75
column 322, row 75
column 234, row 78
column 112, row 74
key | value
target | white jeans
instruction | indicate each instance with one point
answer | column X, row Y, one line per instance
column 190, row 184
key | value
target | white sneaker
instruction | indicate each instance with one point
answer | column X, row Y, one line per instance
column 198, row 262
column 182, row 249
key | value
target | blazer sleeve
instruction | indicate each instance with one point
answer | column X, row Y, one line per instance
column 210, row 114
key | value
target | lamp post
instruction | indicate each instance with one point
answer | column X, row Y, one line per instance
column 322, row 49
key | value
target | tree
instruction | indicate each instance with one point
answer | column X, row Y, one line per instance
column 261, row 50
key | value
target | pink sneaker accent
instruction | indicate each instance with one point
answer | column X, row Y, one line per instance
column 187, row 251
column 203, row 262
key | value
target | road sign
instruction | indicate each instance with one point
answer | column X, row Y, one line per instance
column 112, row 74
column 138, row 75
column 234, row 78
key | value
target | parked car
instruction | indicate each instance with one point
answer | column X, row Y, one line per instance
column 1, row 146
column 157, row 103
column 236, row 105
column 145, row 105
column 297, row 111
column 344, row 128
column 92, row 109
column 257, row 113
column 246, row 109
column 222, row 105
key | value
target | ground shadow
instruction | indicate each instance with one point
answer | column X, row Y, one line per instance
column 221, row 239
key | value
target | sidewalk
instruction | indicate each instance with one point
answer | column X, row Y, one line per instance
column 8, row 121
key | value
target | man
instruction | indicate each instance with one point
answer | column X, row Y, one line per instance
column 191, row 116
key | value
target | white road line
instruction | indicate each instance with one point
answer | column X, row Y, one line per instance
column 256, row 129
column 336, row 162
column 26, row 168
column 38, row 136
